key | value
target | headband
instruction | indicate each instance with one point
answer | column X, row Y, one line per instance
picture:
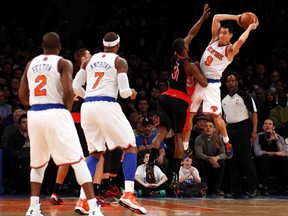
column 111, row 43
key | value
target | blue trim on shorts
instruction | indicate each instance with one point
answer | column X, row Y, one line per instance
column 39, row 107
column 213, row 80
column 100, row 98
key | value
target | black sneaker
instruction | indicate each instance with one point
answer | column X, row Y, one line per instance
column 253, row 194
column 175, row 182
column 188, row 153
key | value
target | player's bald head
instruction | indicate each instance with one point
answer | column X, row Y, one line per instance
column 51, row 40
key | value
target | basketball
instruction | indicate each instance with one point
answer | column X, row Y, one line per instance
column 246, row 19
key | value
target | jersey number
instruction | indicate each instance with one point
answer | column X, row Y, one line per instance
column 208, row 60
column 98, row 76
column 39, row 89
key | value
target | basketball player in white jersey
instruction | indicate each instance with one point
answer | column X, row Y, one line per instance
column 102, row 118
column 46, row 86
column 216, row 57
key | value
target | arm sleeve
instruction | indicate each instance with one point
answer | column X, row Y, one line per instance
column 78, row 81
column 123, row 84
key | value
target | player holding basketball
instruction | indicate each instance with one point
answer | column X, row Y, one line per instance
column 216, row 57
column 46, row 86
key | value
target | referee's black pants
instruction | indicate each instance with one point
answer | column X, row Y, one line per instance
column 241, row 164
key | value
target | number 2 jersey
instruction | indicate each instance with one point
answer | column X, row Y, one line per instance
column 44, row 80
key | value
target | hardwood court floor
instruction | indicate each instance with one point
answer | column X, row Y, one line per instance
column 17, row 206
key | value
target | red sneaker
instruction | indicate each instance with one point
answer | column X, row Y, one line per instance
column 82, row 207
column 102, row 201
column 114, row 190
column 55, row 199
column 128, row 201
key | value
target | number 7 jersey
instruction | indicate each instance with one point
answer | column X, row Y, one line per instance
column 102, row 75
column 44, row 80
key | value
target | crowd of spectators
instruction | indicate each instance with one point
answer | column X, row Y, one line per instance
column 147, row 29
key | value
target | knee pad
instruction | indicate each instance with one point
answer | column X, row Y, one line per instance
column 82, row 172
column 37, row 175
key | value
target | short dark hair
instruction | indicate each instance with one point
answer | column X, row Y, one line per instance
column 178, row 45
column 228, row 25
column 22, row 117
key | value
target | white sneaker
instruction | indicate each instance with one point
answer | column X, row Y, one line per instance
column 96, row 212
column 35, row 211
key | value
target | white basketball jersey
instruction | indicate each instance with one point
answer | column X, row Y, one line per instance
column 44, row 80
column 214, row 61
column 102, row 75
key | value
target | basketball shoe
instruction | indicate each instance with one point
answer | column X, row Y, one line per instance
column 175, row 182
column 34, row 211
column 128, row 201
column 55, row 199
column 96, row 212
column 228, row 150
column 82, row 207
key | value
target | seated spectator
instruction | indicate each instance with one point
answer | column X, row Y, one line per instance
column 5, row 108
column 271, row 157
column 264, row 109
column 190, row 183
column 153, row 187
column 279, row 115
column 135, row 119
column 200, row 121
column 18, row 162
column 143, row 142
column 210, row 152
column 9, row 129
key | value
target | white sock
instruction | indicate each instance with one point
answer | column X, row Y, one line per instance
column 82, row 194
column 92, row 203
column 226, row 139
column 129, row 186
column 185, row 145
column 34, row 200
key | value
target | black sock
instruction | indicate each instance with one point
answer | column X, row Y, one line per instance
column 57, row 188
column 105, row 184
column 176, row 165
column 112, row 181
column 97, row 189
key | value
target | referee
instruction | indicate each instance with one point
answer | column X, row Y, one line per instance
column 241, row 115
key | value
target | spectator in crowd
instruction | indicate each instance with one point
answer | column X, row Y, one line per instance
column 5, row 108
column 135, row 119
column 274, row 77
column 279, row 115
column 210, row 152
column 271, row 157
column 241, row 117
column 200, row 121
column 144, row 141
column 142, row 105
column 153, row 99
column 155, row 186
column 280, row 87
column 264, row 109
column 18, row 158
column 190, row 183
